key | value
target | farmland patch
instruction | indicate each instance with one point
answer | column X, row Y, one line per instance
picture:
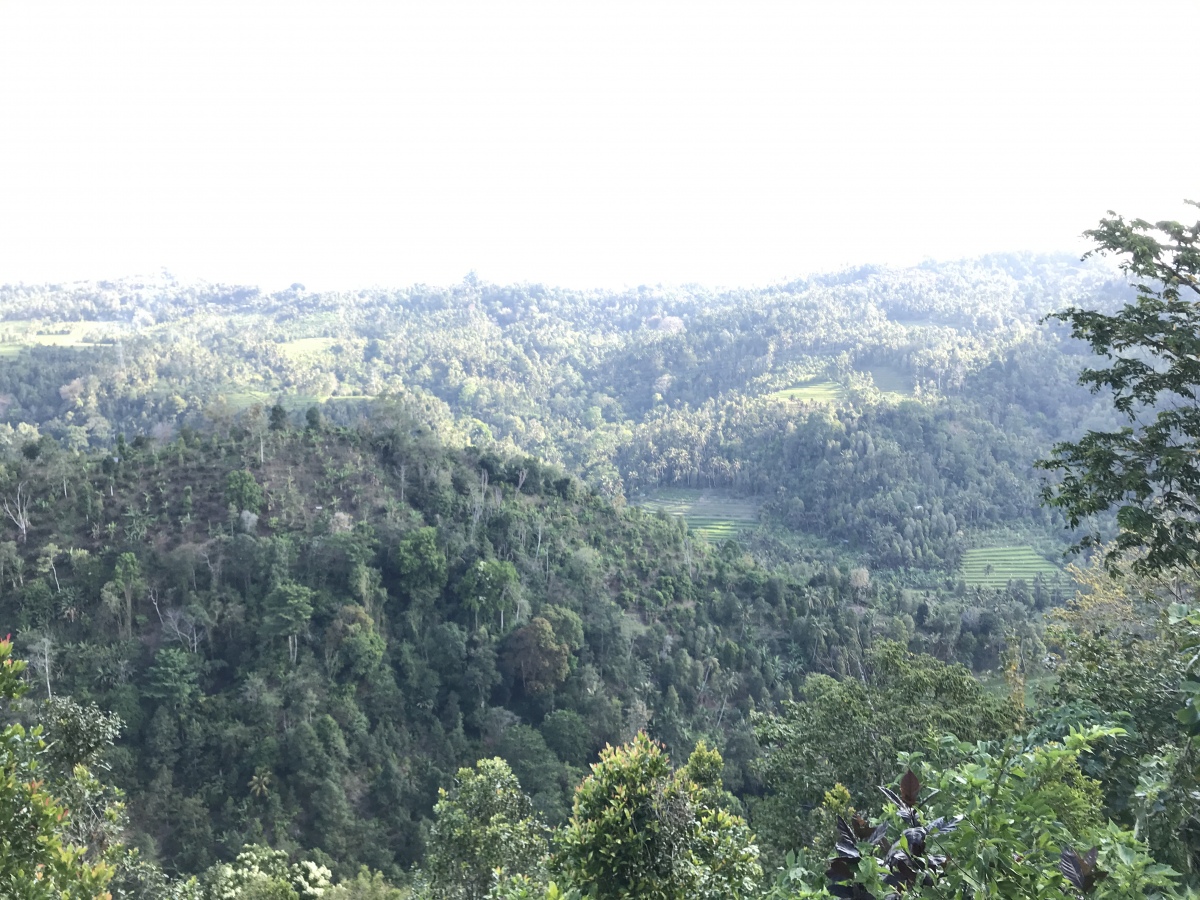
column 717, row 515
column 994, row 567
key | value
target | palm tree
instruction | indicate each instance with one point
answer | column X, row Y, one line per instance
column 260, row 784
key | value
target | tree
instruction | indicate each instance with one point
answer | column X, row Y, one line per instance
column 45, row 563
column 289, row 607
column 568, row 735
column 11, row 565
column 365, row 886
column 535, row 653
column 1118, row 659
column 487, row 585
column 484, row 823
column 37, row 859
column 77, row 737
column 41, row 648
column 243, row 491
column 260, row 873
column 173, row 678
column 278, row 418
column 118, row 594
column 421, row 565
column 639, row 830
column 1149, row 470
column 139, row 879
column 16, row 507
column 352, row 645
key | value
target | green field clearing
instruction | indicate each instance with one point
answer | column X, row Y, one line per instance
column 306, row 347
column 892, row 382
column 994, row 567
column 240, row 400
column 71, row 334
column 717, row 515
column 812, row 390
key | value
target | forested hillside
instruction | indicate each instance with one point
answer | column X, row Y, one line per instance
column 307, row 631
column 384, row 590
column 896, row 410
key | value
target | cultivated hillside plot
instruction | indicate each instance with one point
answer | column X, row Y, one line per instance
column 715, row 514
column 812, row 390
column 892, row 382
column 994, row 567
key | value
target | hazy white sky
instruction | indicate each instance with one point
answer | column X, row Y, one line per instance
column 347, row 144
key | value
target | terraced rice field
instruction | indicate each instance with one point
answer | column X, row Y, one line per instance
column 717, row 515
column 994, row 567
column 812, row 390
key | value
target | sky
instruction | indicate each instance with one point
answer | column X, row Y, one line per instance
column 610, row 144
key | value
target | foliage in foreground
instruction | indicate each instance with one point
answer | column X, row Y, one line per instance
column 1005, row 820
column 1015, row 817
column 1148, row 470
column 849, row 733
column 486, row 823
column 639, row 830
column 38, row 859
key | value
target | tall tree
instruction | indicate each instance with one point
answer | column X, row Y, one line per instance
column 16, row 507
column 639, row 830
column 243, row 491
column 1149, row 470
column 486, row 587
column 119, row 593
column 534, row 653
column 37, row 862
column 289, row 607
column 483, row 824
column 421, row 565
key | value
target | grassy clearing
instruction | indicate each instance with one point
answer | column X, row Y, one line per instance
column 715, row 514
column 15, row 329
column 306, row 347
column 240, row 400
column 80, row 335
column 21, row 332
column 994, row 567
column 893, row 383
column 812, row 390
column 908, row 320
